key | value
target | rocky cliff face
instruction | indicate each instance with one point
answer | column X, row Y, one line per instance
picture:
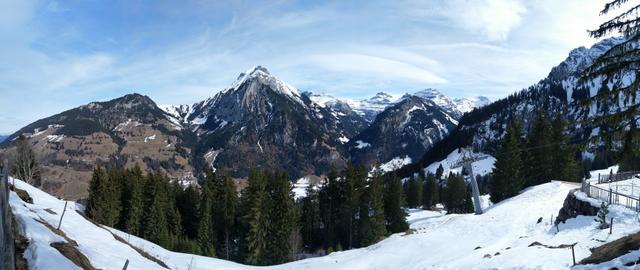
column 574, row 207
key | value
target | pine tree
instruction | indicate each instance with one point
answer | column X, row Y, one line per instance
column 430, row 192
column 376, row 229
column 257, row 219
column 563, row 164
column 457, row 194
column 188, row 203
column 539, row 160
column 133, row 205
column 439, row 172
column 413, row 191
column 206, row 227
column 226, row 199
column 310, row 220
column 96, row 203
column 330, row 201
column 281, row 218
column 393, row 201
column 630, row 154
column 155, row 225
column 507, row 178
column 616, row 63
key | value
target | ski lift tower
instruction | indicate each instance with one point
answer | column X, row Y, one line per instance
column 467, row 162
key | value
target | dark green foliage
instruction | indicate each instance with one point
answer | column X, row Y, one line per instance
column 256, row 219
column 224, row 211
column 458, row 199
column 103, row 204
column 537, row 157
column 206, row 227
column 393, row 202
column 508, row 177
column 132, row 201
column 413, row 191
column 310, row 220
column 439, row 172
column 563, row 155
column 430, row 193
column 630, row 154
column 282, row 218
column 155, row 222
column 374, row 229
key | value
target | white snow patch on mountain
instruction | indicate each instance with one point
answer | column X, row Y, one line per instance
column 360, row 144
column 394, row 164
column 482, row 163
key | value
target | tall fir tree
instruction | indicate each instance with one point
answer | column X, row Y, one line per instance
column 376, row 227
column 133, row 205
column 539, row 160
column 310, row 220
column 430, row 192
column 281, row 217
column 413, row 191
column 508, row 178
column 155, row 225
column 224, row 209
column 563, row 163
column 393, row 202
column 257, row 219
column 206, row 227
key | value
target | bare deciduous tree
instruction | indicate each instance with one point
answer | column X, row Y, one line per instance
column 25, row 163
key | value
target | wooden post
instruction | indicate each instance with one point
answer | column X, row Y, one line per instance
column 610, row 195
column 62, row 216
column 573, row 254
column 127, row 264
column 611, row 226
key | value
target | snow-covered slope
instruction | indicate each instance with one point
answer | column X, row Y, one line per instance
column 498, row 239
column 482, row 163
column 456, row 107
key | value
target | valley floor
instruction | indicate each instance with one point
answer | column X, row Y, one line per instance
column 501, row 238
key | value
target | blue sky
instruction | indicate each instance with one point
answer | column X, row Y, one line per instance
column 57, row 55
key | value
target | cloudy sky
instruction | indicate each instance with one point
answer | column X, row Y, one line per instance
column 60, row 54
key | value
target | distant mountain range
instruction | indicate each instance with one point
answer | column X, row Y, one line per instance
column 3, row 137
column 561, row 93
column 259, row 121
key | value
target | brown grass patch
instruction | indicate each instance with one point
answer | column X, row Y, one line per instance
column 73, row 254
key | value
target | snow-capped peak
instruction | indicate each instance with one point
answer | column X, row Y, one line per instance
column 261, row 75
column 580, row 58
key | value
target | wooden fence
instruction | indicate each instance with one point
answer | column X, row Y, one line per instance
column 7, row 248
column 611, row 196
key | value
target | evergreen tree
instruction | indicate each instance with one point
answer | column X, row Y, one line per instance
column 329, row 196
column 413, row 191
column 133, row 204
column 206, row 227
column 155, row 225
column 507, row 178
column 430, row 192
column 103, row 205
column 563, row 164
column 539, row 160
column 393, row 201
column 439, row 172
column 375, row 228
column 281, row 218
column 226, row 199
column 630, row 154
column 257, row 219
column 188, row 203
column 310, row 220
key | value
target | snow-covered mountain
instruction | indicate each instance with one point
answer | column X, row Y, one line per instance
column 561, row 93
column 408, row 128
column 456, row 107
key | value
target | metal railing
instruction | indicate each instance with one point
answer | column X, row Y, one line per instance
column 615, row 177
column 610, row 196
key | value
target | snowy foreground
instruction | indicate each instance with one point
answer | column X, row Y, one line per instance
column 498, row 239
